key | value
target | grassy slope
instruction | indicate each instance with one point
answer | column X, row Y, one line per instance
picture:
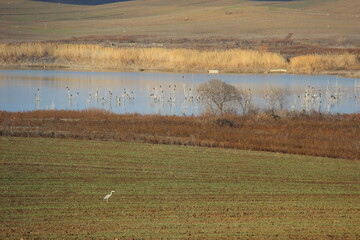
column 54, row 188
column 35, row 20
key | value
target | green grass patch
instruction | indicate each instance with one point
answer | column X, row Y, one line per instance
column 53, row 188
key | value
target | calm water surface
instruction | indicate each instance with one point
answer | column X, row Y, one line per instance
column 149, row 93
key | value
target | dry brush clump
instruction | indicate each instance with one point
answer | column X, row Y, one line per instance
column 318, row 63
column 318, row 135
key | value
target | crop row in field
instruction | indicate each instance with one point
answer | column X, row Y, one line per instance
column 53, row 189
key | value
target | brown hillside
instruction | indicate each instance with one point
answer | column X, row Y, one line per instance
column 25, row 20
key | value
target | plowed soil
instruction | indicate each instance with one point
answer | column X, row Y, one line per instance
column 54, row 189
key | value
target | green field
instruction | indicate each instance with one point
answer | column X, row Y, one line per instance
column 53, row 189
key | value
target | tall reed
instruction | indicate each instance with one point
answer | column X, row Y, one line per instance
column 317, row 63
column 14, row 52
column 233, row 60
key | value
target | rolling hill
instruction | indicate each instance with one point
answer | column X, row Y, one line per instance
column 29, row 20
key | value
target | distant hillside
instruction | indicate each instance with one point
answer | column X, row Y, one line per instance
column 83, row 2
column 33, row 20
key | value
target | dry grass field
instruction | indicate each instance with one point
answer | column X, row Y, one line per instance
column 28, row 20
column 54, row 189
column 334, row 136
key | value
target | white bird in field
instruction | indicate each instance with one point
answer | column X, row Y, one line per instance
column 108, row 196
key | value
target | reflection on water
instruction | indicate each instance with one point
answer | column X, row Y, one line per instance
column 164, row 93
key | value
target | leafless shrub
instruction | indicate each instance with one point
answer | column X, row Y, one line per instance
column 219, row 96
column 276, row 98
column 245, row 101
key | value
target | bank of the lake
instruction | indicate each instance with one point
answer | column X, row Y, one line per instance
column 97, row 57
column 334, row 136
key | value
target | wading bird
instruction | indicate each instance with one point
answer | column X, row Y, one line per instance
column 108, row 196
column 37, row 96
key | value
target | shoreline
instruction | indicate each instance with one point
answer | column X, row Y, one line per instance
column 97, row 57
column 354, row 74
column 293, row 134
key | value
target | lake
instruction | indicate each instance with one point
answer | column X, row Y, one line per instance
column 165, row 93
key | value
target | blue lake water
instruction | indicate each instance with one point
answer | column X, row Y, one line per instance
column 164, row 93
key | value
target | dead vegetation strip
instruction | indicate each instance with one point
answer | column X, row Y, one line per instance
column 334, row 136
column 152, row 57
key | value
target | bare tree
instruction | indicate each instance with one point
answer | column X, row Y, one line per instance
column 245, row 101
column 276, row 97
column 219, row 96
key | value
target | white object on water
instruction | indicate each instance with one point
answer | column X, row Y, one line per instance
column 213, row 71
column 280, row 70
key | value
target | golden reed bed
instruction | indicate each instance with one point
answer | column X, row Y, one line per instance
column 164, row 59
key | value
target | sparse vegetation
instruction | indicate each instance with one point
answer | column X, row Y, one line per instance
column 315, row 134
column 39, row 20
